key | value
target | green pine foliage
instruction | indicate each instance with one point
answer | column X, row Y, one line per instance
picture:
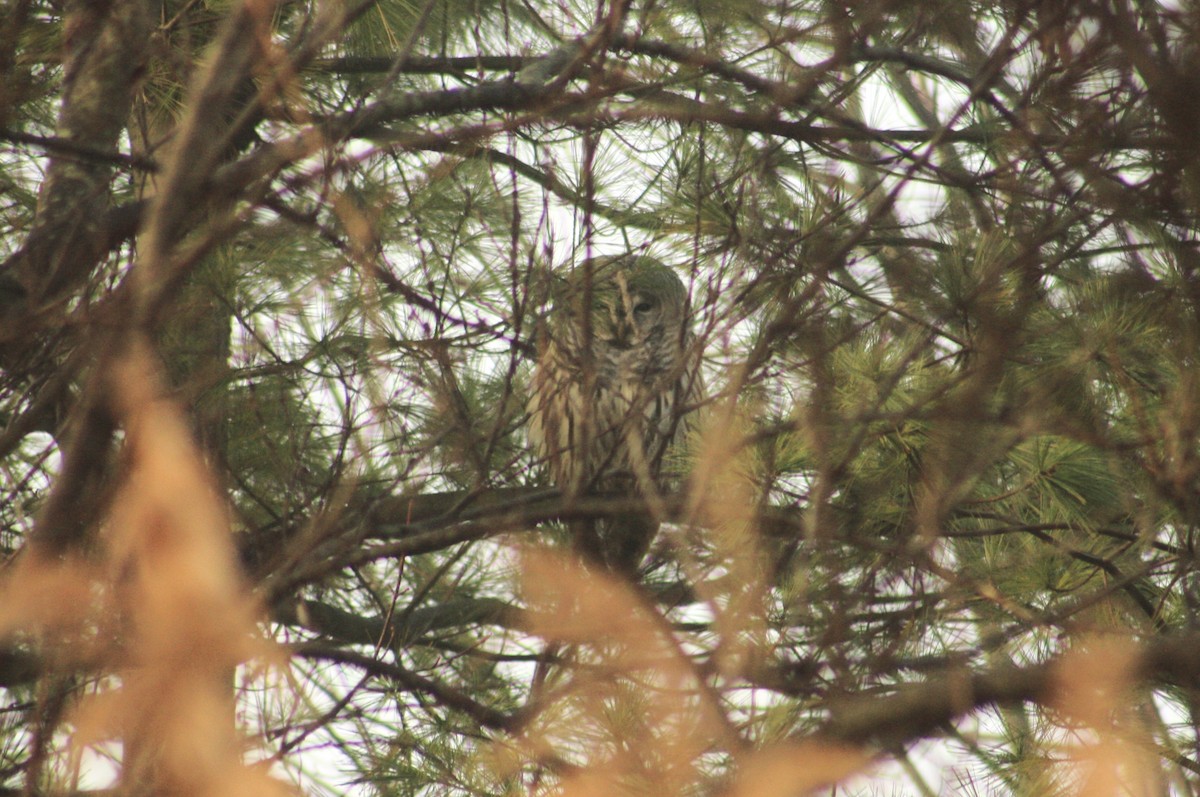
column 941, row 260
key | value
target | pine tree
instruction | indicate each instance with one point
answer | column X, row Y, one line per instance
column 272, row 281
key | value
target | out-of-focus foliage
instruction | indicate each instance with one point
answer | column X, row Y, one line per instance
column 272, row 283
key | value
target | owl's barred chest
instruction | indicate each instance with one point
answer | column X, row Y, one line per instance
column 627, row 383
column 599, row 411
column 613, row 376
column 640, row 368
column 621, row 399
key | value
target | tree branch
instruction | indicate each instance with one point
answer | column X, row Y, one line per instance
column 106, row 45
column 445, row 695
column 917, row 710
column 421, row 65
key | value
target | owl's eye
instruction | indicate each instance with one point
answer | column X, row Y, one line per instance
column 643, row 307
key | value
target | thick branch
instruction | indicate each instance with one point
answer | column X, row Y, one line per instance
column 421, row 65
column 918, row 710
column 105, row 47
column 404, row 629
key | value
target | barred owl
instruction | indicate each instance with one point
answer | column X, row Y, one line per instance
column 617, row 373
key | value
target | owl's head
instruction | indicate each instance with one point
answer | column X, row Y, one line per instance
column 634, row 299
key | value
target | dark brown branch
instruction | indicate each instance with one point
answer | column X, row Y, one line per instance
column 82, row 152
column 421, row 65
column 445, row 695
column 918, row 710
column 911, row 60
column 68, row 239
column 704, row 61
column 108, row 230
column 73, row 507
column 548, row 181
column 349, row 628
column 494, row 95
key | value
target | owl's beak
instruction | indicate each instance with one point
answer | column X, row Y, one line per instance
column 625, row 334
column 622, row 330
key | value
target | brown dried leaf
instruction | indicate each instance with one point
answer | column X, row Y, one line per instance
column 63, row 601
column 1092, row 681
column 725, row 492
column 187, row 618
column 790, row 769
column 1094, row 686
column 572, row 604
column 634, row 715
